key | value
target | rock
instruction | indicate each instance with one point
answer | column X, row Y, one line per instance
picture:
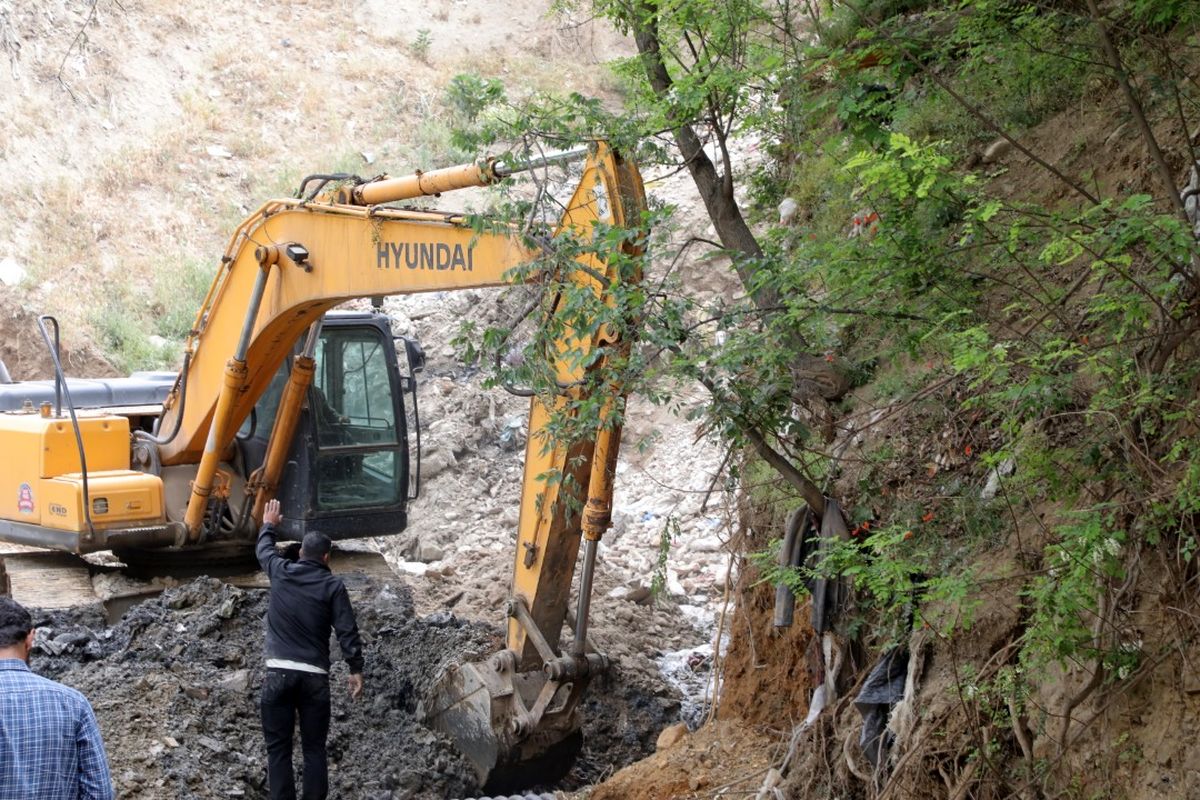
column 670, row 735
column 217, row 151
column 436, row 463
column 211, row 744
column 636, row 593
column 787, row 211
column 996, row 151
column 1191, row 200
column 440, row 619
column 428, row 552
column 196, row 692
column 227, row 608
column 512, row 434
column 157, row 341
column 11, row 273
column 238, row 681
column 50, row 646
column 993, row 482
column 707, row 544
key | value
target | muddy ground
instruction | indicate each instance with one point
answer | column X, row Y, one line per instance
column 175, row 684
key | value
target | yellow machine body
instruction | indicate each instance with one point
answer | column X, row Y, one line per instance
column 40, row 479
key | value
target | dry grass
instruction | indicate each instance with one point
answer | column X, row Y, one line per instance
column 119, row 186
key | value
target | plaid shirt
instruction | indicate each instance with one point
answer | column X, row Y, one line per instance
column 50, row 746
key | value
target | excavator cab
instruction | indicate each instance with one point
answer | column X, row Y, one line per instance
column 353, row 463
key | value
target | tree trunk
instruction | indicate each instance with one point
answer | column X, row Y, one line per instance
column 814, row 375
column 716, row 193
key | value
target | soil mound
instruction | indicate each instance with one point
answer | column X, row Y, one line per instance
column 175, row 687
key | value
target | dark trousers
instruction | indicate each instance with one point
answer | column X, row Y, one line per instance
column 286, row 695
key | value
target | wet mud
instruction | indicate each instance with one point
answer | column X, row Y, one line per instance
column 175, row 684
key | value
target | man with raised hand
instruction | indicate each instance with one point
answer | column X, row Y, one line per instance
column 307, row 601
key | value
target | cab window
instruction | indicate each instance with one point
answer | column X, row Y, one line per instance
column 354, row 411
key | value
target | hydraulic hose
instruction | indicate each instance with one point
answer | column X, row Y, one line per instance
column 153, row 438
column 61, row 386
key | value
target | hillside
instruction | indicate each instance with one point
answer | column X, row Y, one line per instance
column 144, row 132
column 985, row 217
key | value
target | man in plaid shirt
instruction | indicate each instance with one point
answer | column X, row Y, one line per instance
column 50, row 747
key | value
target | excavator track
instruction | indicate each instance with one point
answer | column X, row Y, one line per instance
column 187, row 562
column 50, row 579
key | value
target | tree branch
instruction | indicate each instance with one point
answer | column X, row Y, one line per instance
column 1135, row 107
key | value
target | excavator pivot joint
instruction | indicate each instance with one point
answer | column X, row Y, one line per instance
column 569, row 668
column 531, row 550
column 504, row 661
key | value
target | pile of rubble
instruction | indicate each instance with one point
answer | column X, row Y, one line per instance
column 175, row 684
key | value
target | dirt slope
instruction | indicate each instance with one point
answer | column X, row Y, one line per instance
column 960, row 731
column 140, row 131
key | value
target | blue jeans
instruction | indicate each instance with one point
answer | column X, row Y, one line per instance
column 287, row 694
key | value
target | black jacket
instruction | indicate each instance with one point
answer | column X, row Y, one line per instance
column 306, row 601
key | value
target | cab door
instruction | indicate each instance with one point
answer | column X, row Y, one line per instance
column 358, row 420
column 347, row 474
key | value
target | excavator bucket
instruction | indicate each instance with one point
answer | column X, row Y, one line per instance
column 517, row 728
column 461, row 707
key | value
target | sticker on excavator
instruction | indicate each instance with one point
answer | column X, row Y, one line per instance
column 601, row 197
column 25, row 499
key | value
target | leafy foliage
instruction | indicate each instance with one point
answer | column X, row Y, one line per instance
column 1040, row 344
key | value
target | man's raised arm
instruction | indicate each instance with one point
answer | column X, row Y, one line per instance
column 268, row 557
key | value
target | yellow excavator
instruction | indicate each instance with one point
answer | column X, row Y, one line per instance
column 182, row 464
